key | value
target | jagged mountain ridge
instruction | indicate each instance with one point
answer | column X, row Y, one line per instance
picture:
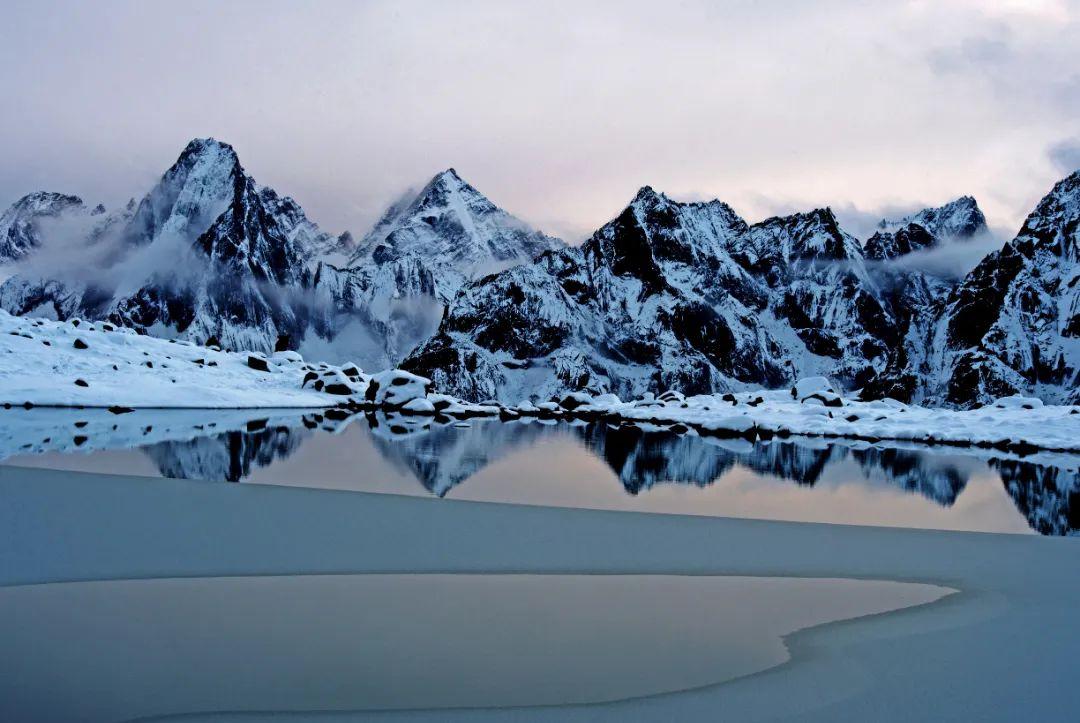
column 670, row 295
column 208, row 254
column 667, row 295
column 1013, row 324
column 659, row 299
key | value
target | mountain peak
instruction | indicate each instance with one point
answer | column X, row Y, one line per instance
column 48, row 202
column 198, row 146
column 1057, row 215
column 451, row 225
column 960, row 218
column 193, row 192
column 19, row 233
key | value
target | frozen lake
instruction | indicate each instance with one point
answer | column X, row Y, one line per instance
column 199, row 647
column 171, row 599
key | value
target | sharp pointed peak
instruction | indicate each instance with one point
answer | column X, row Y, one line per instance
column 203, row 150
column 196, row 145
column 447, row 178
column 648, row 194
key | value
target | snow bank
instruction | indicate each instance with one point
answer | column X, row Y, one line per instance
column 48, row 363
column 1010, row 424
column 94, row 364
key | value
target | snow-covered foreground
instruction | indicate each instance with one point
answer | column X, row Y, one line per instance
column 93, row 364
column 48, row 363
column 1013, row 621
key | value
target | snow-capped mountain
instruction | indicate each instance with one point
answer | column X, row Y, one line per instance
column 455, row 230
column 959, row 220
column 1013, row 324
column 688, row 296
column 20, row 225
column 391, row 295
column 916, row 298
column 668, row 295
column 207, row 254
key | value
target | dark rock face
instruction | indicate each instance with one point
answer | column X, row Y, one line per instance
column 885, row 245
column 690, row 297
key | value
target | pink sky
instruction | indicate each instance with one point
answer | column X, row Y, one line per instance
column 558, row 112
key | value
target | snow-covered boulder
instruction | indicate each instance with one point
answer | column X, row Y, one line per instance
column 816, row 390
column 420, row 405
column 573, row 400
column 811, row 385
column 395, row 387
column 1017, row 401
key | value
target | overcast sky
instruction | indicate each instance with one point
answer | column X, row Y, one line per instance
column 558, row 111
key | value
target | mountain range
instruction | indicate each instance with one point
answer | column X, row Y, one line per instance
column 667, row 295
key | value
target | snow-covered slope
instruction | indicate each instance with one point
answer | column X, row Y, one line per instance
column 79, row 363
column 96, row 364
column 390, row 296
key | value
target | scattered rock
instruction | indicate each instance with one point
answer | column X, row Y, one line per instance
column 258, row 363
column 338, row 388
column 80, row 344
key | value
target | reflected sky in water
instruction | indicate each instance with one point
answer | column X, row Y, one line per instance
column 594, row 466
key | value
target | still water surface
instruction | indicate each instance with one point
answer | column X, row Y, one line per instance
column 583, row 465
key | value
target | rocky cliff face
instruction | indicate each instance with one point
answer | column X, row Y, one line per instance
column 688, row 296
column 1013, row 324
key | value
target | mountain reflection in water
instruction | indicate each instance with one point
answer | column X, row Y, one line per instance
column 231, row 446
